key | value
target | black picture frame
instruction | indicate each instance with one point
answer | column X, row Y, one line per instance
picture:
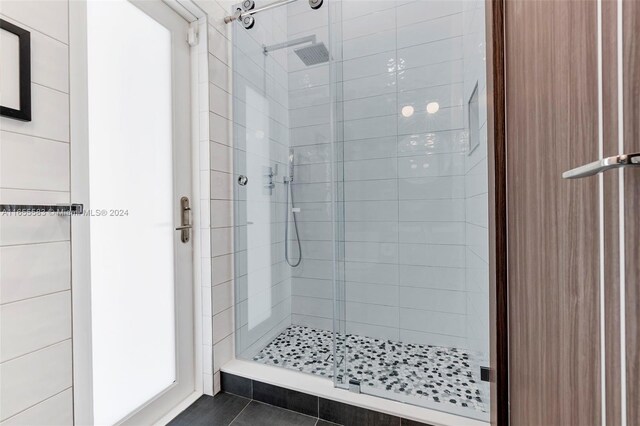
column 24, row 37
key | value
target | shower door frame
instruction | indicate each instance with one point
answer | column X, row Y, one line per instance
column 497, row 172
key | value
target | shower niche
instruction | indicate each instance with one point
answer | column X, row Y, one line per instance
column 361, row 235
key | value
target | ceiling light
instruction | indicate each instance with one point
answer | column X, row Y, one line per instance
column 433, row 107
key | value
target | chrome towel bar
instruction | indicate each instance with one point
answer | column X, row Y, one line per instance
column 63, row 209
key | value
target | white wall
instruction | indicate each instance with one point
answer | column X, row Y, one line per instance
column 216, row 168
column 35, row 284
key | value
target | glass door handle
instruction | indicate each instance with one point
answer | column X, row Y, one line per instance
column 185, row 220
column 609, row 163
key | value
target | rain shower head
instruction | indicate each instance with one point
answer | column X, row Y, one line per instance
column 316, row 53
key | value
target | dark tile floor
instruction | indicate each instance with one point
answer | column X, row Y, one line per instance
column 226, row 409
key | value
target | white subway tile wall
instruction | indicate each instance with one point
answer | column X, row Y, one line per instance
column 415, row 199
column 35, row 267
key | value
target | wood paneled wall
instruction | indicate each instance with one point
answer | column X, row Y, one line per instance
column 552, row 126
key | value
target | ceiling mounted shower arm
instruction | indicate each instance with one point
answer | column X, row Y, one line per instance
column 245, row 11
column 290, row 43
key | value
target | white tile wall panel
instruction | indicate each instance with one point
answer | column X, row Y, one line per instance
column 32, row 378
column 28, row 162
column 375, row 273
column 431, row 165
column 28, row 325
column 24, row 196
column 370, row 128
column 431, row 188
column 373, row 252
column 426, row 10
column 432, row 232
column 374, row 22
column 371, row 190
column 374, row 148
column 451, row 256
column 432, row 210
column 441, row 142
column 377, row 294
column 436, row 277
column 369, row 44
column 431, row 53
column 370, row 86
column 52, row 108
column 432, row 322
column 33, row 270
column 431, row 75
column 433, row 300
column 383, row 232
column 33, row 229
column 50, row 17
column 311, row 287
column 432, row 30
column 54, row 411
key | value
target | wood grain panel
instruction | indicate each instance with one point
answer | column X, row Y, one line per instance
column 551, row 102
column 611, row 213
column 631, row 90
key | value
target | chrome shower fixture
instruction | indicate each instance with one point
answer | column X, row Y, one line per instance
column 315, row 53
column 288, row 180
column 245, row 11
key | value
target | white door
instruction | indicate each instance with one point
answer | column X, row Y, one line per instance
column 131, row 168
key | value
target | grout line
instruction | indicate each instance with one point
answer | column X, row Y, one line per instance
column 241, row 411
column 34, row 136
column 62, row 92
column 38, row 350
column 37, row 296
column 34, row 243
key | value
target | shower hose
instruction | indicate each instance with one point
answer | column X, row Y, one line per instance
column 286, row 228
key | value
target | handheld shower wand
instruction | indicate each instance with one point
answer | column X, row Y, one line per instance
column 289, row 190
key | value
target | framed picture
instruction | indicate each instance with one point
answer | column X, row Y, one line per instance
column 15, row 71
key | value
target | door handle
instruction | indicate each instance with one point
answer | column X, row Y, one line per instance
column 185, row 220
column 609, row 163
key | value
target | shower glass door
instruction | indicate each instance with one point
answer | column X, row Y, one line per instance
column 360, row 176
column 412, row 320
column 282, row 191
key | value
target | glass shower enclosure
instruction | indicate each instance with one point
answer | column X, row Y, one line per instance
column 361, row 196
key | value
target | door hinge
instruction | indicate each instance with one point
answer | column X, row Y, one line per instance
column 192, row 35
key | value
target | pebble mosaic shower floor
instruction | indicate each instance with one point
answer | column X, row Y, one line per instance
column 437, row 374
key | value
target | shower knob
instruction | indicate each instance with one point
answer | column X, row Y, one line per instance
column 243, row 180
column 248, row 4
column 315, row 4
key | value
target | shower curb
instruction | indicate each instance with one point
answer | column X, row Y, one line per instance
column 304, row 403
